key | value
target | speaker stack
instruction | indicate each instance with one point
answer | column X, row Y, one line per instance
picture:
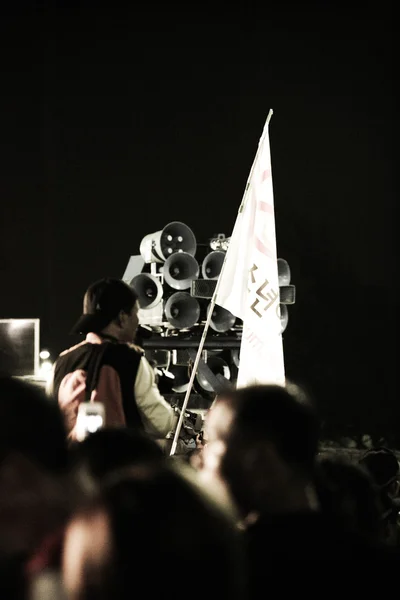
column 174, row 289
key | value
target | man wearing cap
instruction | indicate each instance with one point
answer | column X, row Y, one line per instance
column 126, row 383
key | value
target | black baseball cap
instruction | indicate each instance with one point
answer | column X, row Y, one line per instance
column 103, row 301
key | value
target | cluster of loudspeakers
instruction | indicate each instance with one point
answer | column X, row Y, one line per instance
column 175, row 279
column 173, row 288
column 175, row 371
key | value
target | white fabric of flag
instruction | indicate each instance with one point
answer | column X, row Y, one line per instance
column 248, row 285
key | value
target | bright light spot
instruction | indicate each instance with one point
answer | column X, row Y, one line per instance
column 226, row 372
column 94, row 422
column 44, row 354
column 45, row 369
column 169, row 374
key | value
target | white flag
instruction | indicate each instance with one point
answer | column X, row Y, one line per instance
column 248, row 285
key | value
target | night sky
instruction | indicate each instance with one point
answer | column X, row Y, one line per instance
column 115, row 122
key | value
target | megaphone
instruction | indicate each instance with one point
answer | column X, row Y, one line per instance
column 148, row 289
column 212, row 264
column 182, row 310
column 175, row 237
column 283, row 272
column 180, row 269
column 284, row 316
column 173, row 379
column 181, row 378
column 219, row 367
column 221, row 319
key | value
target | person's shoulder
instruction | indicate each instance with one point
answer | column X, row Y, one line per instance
column 72, row 349
column 123, row 352
column 71, row 356
column 136, row 349
column 126, row 348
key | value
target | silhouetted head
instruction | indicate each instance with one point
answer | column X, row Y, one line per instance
column 153, row 528
column 33, row 467
column 31, row 426
column 257, row 437
column 109, row 306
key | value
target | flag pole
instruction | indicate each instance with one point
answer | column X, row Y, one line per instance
column 213, row 302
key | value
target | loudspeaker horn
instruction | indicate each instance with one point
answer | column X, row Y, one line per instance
column 284, row 316
column 219, row 367
column 283, row 272
column 173, row 379
column 182, row 310
column 181, row 378
column 180, row 269
column 221, row 320
column 175, row 237
column 148, row 289
column 212, row 264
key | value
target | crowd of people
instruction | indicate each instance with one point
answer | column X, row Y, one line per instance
column 113, row 515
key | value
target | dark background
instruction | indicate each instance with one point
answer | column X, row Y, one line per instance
column 115, row 122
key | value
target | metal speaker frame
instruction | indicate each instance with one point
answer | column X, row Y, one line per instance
column 287, row 294
column 180, row 269
column 203, row 288
column 175, row 237
column 180, row 356
column 182, row 310
column 212, row 264
column 148, row 289
column 133, row 268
